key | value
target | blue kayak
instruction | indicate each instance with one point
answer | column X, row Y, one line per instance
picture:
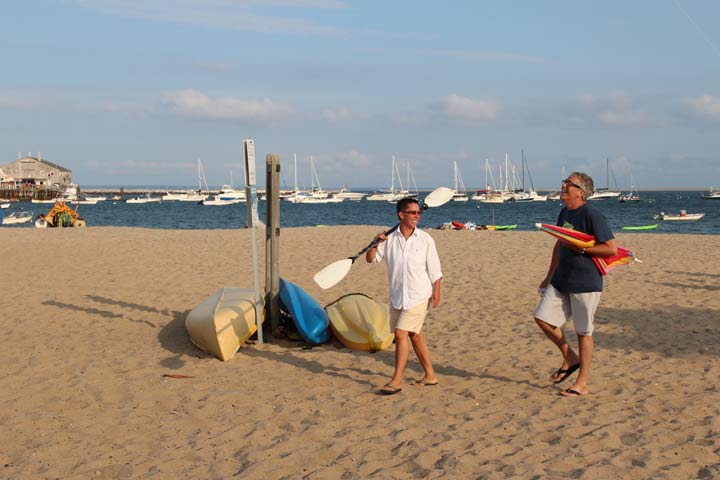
column 310, row 318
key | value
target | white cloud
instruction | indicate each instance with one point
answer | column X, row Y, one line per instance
column 229, row 14
column 630, row 118
column 336, row 114
column 197, row 104
column 707, row 106
column 464, row 108
column 615, row 110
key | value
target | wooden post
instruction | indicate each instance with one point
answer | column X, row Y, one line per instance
column 272, row 242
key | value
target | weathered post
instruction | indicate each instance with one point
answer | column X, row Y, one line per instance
column 272, row 242
column 252, row 224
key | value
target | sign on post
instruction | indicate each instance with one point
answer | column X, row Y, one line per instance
column 252, row 224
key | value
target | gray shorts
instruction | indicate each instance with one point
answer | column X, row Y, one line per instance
column 556, row 308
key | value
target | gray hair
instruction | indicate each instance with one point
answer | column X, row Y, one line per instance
column 586, row 182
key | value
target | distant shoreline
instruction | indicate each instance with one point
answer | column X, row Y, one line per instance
column 158, row 188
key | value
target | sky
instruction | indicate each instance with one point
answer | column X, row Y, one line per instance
column 133, row 92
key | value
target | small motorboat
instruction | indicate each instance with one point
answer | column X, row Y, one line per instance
column 18, row 217
column 713, row 194
column 146, row 199
column 5, row 205
column 629, row 197
column 683, row 215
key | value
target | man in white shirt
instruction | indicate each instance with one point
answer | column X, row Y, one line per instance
column 415, row 276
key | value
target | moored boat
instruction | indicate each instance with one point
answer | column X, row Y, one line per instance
column 713, row 194
column 682, row 216
column 16, row 218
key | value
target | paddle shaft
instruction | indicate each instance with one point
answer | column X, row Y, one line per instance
column 374, row 243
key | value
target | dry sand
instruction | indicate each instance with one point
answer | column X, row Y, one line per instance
column 92, row 319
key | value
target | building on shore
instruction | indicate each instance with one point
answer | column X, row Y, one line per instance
column 33, row 177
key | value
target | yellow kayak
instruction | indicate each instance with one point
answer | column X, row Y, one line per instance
column 360, row 323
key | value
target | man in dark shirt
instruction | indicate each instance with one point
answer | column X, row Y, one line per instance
column 573, row 285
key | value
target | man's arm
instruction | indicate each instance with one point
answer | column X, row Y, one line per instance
column 435, row 298
column 606, row 249
column 372, row 253
column 553, row 265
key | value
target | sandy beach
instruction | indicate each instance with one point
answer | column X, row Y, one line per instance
column 92, row 320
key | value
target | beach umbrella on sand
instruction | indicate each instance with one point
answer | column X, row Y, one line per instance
column 336, row 271
column 583, row 240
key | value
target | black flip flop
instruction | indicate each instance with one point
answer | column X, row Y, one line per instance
column 390, row 390
column 569, row 392
column 566, row 373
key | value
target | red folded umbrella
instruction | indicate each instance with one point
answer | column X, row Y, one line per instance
column 583, row 240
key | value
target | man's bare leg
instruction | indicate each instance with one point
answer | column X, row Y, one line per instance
column 557, row 336
column 402, row 351
column 423, row 354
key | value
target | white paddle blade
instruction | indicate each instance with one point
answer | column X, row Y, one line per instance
column 439, row 196
column 333, row 273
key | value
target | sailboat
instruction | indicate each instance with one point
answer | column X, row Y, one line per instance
column 523, row 195
column 297, row 195
column 633, row 196
column 190, row 195
column 405, row 193
column 556, row 194
column 605, row 193
column 489, row 195
column 215, row 201
column 460, row 194
column 317, row 194
column 391, row 194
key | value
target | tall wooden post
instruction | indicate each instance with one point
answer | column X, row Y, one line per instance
column 272, row 242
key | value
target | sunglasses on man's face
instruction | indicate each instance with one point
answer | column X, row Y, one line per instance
column 570, row 183
column 413, row 212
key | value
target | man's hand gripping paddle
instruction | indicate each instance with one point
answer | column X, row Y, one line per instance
column 336, row 271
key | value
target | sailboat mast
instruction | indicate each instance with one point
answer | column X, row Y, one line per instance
column 522, row 152
column 487, row 165
column 312, row 176
column 506, row 172
column 295, row 169
column 392, row 175
column 607, row 173
column 199, row 176
column 455, row 174
column 408, row 176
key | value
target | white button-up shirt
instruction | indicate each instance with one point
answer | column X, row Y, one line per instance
column 413, row 267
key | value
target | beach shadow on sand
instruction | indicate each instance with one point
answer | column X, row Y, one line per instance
column 385, row 357
column 172, row 336
column 672, row 331
column 96, row 311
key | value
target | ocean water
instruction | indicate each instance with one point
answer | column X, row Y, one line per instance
column 184, row 215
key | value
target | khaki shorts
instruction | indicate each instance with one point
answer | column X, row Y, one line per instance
column 410, row 320
column 556, row 308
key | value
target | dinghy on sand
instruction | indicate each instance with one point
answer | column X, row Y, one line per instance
column 221, row 324
column 360, row 323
